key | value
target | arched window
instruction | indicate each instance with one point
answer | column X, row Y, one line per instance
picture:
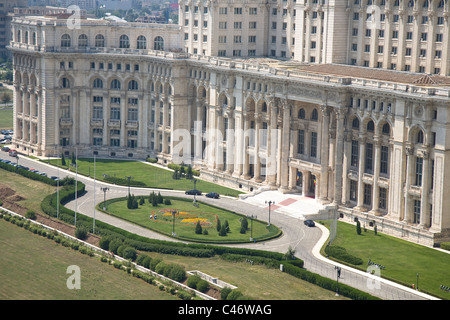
column 82, row 41
column 33, row 38
column 99, row 41
column 141, row 42
column 25, row 37
column 133, row 85
column 18, row 36
column 355, row 123
column 158, row 43
column 98, row 83
column 441, row 4
column 370, row 126
column 65, row 83
column 124, row 42
column 264, row 107
column 419, row 137
column 314, row 115
column 115, row 84
column 386, row 129
column 65, row 41
column 301, row 113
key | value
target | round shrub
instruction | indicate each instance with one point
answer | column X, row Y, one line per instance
column 154, row 263
column 129, row 253
column 224, row 293
column 114, row 245
column 192, row 281
column 30, row 215
column 234, row 295
column 104, row 243
column 160, row 267
column 202, row 285
column 146, row 262
column 177, row 273
column 81, row 233
column 120, row 250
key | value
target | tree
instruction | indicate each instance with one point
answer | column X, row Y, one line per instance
column 189, row 172
column 198, row 228
column 244, row 223
column 227, row 227
column 63, row 160
column 289, row 255
column 74, row 161
column 358, row 227
column 223, row 231
column 218, row 226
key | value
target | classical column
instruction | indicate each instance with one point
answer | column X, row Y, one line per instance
column 362, row 155
column 245, row 160
column 285, row 147
column 424, row 201
column 376, row 175
column 340, row 114
column 345, row 165
column 323, row 195
column 256, row 159
column 272, row 137
column 305, row 182
column 409, row 172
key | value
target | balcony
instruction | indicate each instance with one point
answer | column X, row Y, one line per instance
column 65, row 121
column 132, row 124
column 97, row 122
column 114, row 123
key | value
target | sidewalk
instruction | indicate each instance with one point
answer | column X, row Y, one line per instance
column 293, row 205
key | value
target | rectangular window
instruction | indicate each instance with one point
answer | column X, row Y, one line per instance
column 132, row 114
column 353, row 190
column 384, row 160
column 115, row 142
column 97, row 141
column 416, row 211
column 115, row 114
column 369, row 158
column 367, row 194
column 97, row 113
column 383, row 198
column 313, row 151
column 301, row 142
column 354, row 161
column 419, row 168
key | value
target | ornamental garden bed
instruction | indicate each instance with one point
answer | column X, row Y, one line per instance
column 180, row 220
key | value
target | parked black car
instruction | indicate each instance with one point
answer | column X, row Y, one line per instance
column 213, row 195
column 309, row 223
column 194, row 192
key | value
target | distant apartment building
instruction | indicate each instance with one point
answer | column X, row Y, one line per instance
column 7, row 7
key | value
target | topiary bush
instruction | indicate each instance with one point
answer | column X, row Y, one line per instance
column 81, row 233
column 192, row 281
column 202, row 286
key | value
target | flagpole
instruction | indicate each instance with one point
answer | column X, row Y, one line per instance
column 76, row 184
column 93, row 227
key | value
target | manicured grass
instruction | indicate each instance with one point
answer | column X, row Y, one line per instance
column 30, row 192
column 34, row 267
column 185, row 220
column 402, row 260
column 6, row 118
column 255, row 281
column 151, row 176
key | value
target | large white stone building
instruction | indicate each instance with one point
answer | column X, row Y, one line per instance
column 366, row 137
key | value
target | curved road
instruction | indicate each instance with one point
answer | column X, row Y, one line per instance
column 304, row 240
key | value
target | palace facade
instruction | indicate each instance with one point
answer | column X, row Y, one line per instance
column 372, row 141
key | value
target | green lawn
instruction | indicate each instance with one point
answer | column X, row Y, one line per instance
column 151, row 176
column 185, row 220
column 6, row 118
column 33, row 267
column 402, row 260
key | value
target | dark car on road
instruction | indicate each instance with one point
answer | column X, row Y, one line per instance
column 6, row 149
column 194, row 192
column 309, row 223
column 213, row 195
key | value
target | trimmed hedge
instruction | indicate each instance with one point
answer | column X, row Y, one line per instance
column 445, row 245
column 27, row 174
column 328, row 284
column 341, row 254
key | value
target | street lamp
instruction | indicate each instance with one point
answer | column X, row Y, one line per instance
column 251, row 217
column 338, row 275
column 270, row 203
column 195, row 183
column 173, row 222
column 104, row 189
column 129, row 178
